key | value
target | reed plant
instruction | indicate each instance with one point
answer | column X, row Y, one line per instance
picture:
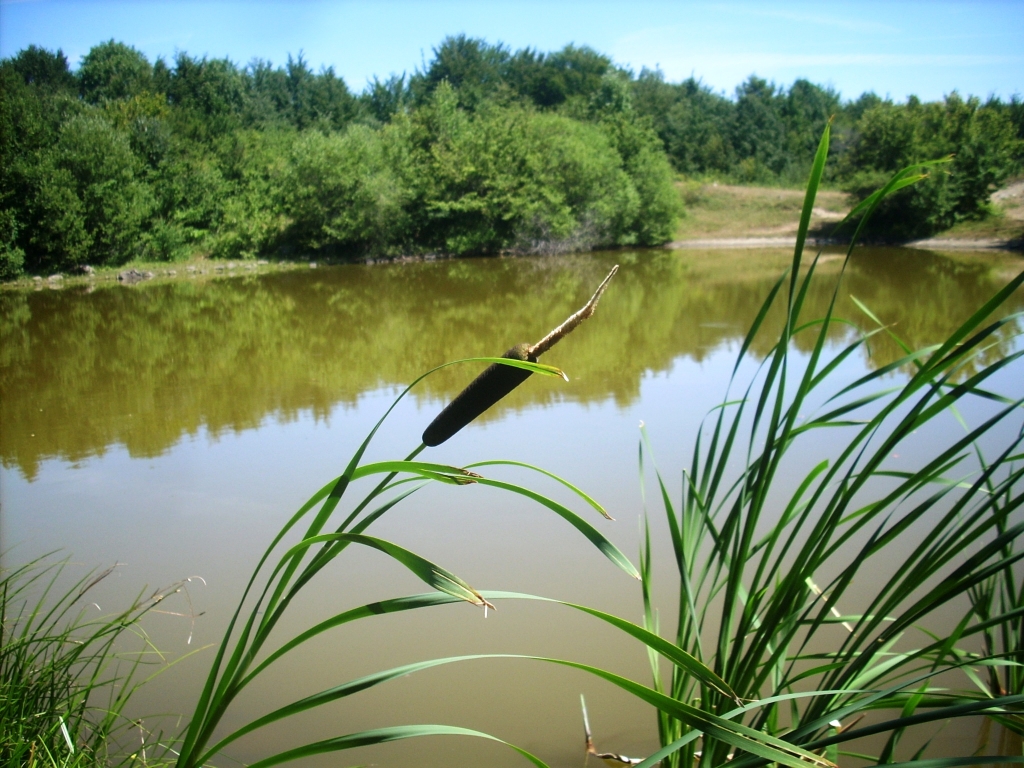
column 870, row 590
column 329, row 529
column 68, row 671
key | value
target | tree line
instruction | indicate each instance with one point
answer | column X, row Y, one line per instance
column 483, row 151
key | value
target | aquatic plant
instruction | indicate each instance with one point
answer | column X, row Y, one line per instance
column 67, row 671
column 271, row 590
column 822, row 600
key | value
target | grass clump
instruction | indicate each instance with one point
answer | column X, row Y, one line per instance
column 823, row 603
column 65, row 676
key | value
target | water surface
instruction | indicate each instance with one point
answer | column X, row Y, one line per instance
column 173, row 428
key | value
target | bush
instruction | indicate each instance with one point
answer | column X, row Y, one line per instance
column 340, row 192
column 12, row 258
column 252, row 164
column 508, row 178
column 577, row 195
column 890, row 136
column 54, row 217
column 193, row 197
column 115, row 203
column 80, row 199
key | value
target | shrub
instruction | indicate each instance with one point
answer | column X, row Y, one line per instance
column 12, row 257
column 116, row 203
column 890, row 136
column 341, row 193
column 253, row 164
column 509, row 178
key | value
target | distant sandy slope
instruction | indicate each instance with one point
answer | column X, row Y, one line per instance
column 1011, row 200
column 727, row 216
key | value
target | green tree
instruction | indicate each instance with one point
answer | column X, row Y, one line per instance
column 191, row 193
column 31, row 112
column 341, row 193
column 759, row 133
column 209, row 96
column 39, row 67
column 269, row 104
column 383, row 99
column 113, row 70
column 90, row 204
column 890, row 136
column 693, row 122
column 1015, row 112
column 253, row 164
column 476, row 70
column 53, row 217
column 507, row 178
column 107, row 174
column 643, row 159
column 805, row 111
column 551, row 79
column 145, row 118
column 577, row 195
column 333, row 102
column 294, row 95
column 12, row 255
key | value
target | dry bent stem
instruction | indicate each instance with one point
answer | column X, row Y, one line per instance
column 574, row 320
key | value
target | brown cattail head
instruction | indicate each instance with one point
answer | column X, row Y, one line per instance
column 498, row 380
column 483, row 392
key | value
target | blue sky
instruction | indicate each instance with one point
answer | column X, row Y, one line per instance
column 893, row 48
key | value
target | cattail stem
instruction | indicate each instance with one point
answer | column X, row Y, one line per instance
column 574, row 320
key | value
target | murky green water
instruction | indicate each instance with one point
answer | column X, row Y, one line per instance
column 172, row 428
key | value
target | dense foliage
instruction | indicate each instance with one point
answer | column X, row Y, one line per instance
column 126, row 159
column 483, row 151
column 762, row 135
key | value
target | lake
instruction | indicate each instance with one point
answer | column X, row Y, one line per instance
column 173, row 426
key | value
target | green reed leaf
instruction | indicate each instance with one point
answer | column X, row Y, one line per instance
column 382, row 736
column 595, row 537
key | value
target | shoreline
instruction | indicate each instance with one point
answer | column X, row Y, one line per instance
column 133, row 275
column 931, row 243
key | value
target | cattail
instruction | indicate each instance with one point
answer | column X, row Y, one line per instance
column 498, row 380
column 483, row 392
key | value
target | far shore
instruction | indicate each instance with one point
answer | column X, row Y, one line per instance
column 735, row 216
column 718, row 216
column 931, row 243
